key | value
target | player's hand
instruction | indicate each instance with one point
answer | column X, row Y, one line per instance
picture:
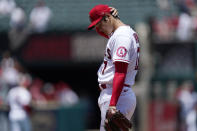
column 112, row 107
column 116, row 121
column 114, row 11
column 112, row 110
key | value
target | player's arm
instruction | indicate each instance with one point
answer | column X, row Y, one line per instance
column 118, row 81
column 121, row 59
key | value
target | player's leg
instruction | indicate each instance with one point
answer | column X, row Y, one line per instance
column 103, row 108
column 25, row 124
column 14, row 126
column 103, row 102
column 127, row 103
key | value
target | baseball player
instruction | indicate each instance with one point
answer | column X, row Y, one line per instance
column 116, row 75
column 19, row 99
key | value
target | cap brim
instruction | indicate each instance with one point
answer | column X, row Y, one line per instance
column 92, row 25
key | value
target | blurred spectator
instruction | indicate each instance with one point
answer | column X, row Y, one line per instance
column 191, row 120
column 10, row 75
column 49, row 92
column 19, row 99
column 187, row 23
column 6, row 7
column 65, row 95
column 39, row 17
column 18, row 31
column 164, row 29
column 187, row 99
column 185, row 27
column 17, row 19
column 35, row 89
column 186, row 5
column 7, row 61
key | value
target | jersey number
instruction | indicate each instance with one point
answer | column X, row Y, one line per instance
column 108, row 55
column 138, row 51
column 137, row 59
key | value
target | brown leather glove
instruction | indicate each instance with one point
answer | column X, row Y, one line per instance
column 116, row 121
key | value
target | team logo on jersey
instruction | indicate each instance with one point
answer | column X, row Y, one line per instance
column 121, row 52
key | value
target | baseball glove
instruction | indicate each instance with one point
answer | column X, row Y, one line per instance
column 116, row 121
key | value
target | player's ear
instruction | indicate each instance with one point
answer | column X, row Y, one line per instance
column 106, row 17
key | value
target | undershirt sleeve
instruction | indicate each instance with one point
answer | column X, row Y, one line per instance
column 118, row 81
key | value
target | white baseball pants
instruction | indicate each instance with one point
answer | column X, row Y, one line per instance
column 126, row 103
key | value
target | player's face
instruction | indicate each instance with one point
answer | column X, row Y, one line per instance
column 104, row 26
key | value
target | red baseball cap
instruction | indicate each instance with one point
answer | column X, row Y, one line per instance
column 97, row 13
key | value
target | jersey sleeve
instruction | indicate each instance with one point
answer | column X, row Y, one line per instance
column 122, row 49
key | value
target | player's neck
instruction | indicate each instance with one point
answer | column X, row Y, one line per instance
column 117, row 24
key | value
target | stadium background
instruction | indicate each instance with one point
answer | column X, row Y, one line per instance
column 67, row 52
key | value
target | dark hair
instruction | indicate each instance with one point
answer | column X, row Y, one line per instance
column 117, row 17
column 104, row 17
